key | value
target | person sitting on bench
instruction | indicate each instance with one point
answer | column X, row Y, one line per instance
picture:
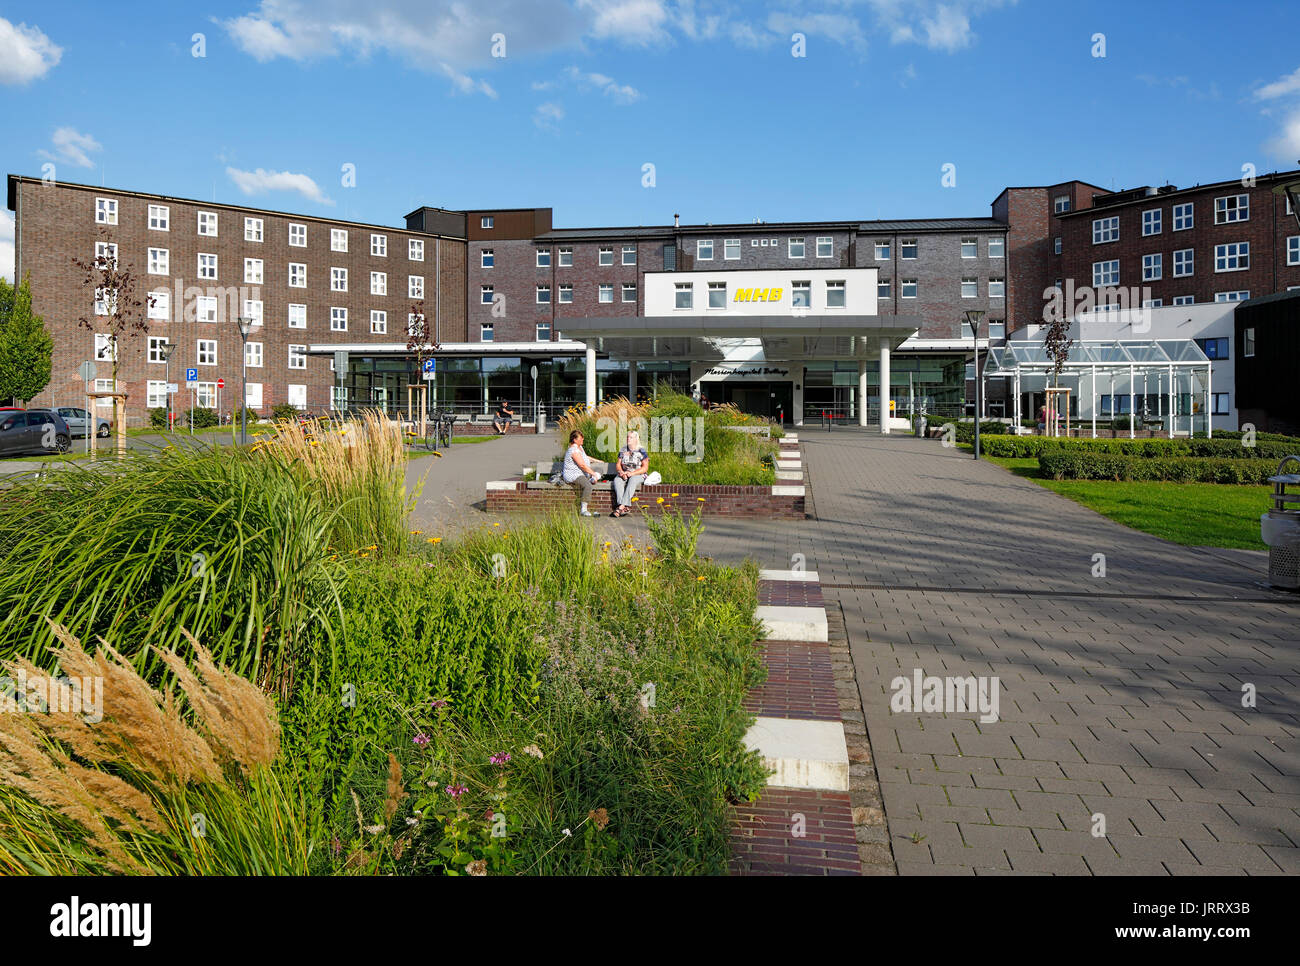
column 504, row 414
column 633, row 465
column 578, row 470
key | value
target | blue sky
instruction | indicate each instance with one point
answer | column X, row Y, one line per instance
column 589, row 92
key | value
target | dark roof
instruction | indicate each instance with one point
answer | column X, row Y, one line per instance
column 933, row 224
column 1176, row 193
column 1266, row 299
column 668, row 231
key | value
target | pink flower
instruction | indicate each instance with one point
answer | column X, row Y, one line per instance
column 455, row 791
column 500, row 758
column 421, row 740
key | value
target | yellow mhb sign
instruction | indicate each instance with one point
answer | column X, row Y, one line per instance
column 758, row 295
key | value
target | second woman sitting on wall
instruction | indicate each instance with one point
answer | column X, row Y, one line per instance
column 633, row 464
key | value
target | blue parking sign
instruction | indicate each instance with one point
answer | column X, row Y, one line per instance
column 191, row 375
column 430, row 365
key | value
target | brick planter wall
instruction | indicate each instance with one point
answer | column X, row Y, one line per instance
column 727, row 501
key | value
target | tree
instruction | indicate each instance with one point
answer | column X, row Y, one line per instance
column 117, row 310
column 420, row 341
column 1057, row 344
column 26, row 349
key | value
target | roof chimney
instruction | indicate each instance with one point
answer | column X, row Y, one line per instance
column 677, row 220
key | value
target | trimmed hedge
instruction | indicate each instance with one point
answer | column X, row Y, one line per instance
column 1022, row 447
column 1171, row 469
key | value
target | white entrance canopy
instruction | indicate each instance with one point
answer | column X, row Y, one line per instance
column 1177, row 367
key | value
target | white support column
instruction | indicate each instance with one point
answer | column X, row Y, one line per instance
column 1132, row 402
column 1172, row 403
column 800, row 374
column 1209, row 402
column 631, row 380
column 591, row 376
column 1092, row 404
column 862, row 393
column 884, row 387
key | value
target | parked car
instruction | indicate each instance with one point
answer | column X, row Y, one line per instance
column 78, row 420
column 29, row 432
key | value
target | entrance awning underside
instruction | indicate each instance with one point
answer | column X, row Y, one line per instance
column 783, row 338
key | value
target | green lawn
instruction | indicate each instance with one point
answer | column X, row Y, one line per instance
column 1193, row 514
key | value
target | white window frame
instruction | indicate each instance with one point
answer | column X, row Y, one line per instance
column 538, row 335
column 970, row 288
column 1232, row 257
column 160, row 218
column 338, row 279
column 1184, row 216
column 297, row 235
column 208, row 222
column 338, row 318
column 792, row 243
column 297, row 317
column 543, row 258
column 378, row 245
column 159, row 261
column 106, row 211
column 106, row 250
column 415, row 286
column 681, row 289
column 253, row 310
column 206, row 309
column 1293, row 250
column 156, row 343
column 539, row 291
column 1001, row 244
column 486, row 332
column 829, row 242
column 254, row 271
column 253, row 354
column 378, row 322
column 834, row 288
column 626, row 288
column 1105, row 231
column 605, row 255
column 213, row 264
column 161, row 309
column 564, row 256
column 1060, row 204
column 916, row 288
column 378, row 283
column 629, row 250
column 205, row 353
column 883, row 251
column 905, row 244
column 338, row 239
column 565, row 294
column 1224, row 214
column 1153, row 267
column 728, row 244
column 701, row 246
column 604, row 289
column 485, row 294
column 1153, row 222
column 997, row 287
column 1102, row 272
column 415, row 249
column 720, row 289
column 973, row 244
column 297, row 275
column 1184, row 300
column 297, row 358
column 487, row 221
column 1239, row 295
column 885, row 288
column 1186, row 266
column 155, row 394
column 253, row 230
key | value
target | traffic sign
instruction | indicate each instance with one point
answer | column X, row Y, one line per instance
column 340, row 361
column 430, row 365
column 191, row 384
column 173, row 388
column 191, row 375
column 221, row 384
column 87, row 371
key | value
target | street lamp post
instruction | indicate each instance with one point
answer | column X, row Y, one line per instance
column 168, row 348
column 1292, row 191
column 973, row 319
column 245, row 324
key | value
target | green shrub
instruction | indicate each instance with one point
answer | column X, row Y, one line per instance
column 200, row 418
column 158, row 417
column 1075, row 465
column 1021, row 447
column 285, row 411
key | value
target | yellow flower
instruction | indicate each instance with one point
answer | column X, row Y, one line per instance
column 699, row 499
column 496, row 524
column 434, row 540
column 674, row 494
column 365, row 555
column 417, row 532
column 660, row 500
column 636, row 499
column 609, row 543
column 700, row 577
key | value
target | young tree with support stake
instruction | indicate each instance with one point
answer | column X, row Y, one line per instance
column 421, row 342
column 124, row 316
column 1056, row 344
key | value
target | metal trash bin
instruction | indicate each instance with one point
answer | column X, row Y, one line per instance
column 1279, row 528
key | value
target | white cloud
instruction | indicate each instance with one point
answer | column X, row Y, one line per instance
column 25, row 53
column 1287, row 142
column 939, row 26
column 1287, row 84
column 466, row 84
column 261, row 181
column 640, row 22
column 7, row 245
column 72, row 147
column 832, row 26
column 949, row 29
column 620, row 93
column 548, row 116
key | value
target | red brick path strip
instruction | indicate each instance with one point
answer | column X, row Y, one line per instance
column 795, row 831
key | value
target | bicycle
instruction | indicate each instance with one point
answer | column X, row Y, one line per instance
column 440, row 431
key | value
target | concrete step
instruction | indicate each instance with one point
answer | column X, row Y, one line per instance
column 793, row 623
column 801, row 754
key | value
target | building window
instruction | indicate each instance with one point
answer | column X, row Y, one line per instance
column 297, row 274
column 997, row 288
column 605, row 293
column 156, row 346
column 543, row 333
column 106, row 211
column 970, row 247
column 379, row 246
column 717, row 295
column 297, row 315
column 107, row 252
column 909, row 248
column 487, row 258
column 801, row 295
column 1184, row 262
column 205, row 308
column 253, row 355
column 910, row 288
column 1061, row 204
column 543, row 295
column 1214, row 348
column 297, row 236
column 997, row 247
column 156, row 395
column 378, row 283
column 338, row 279
column 207, row 352
column 207, row 265
column 159, row 218
column 704, row 250
column 1184, row 300
column 684, row 295
column 485, row 333
column 605, row 257
column 253, row 311
column 253, row 271
column 1151, row 222
column 297, row 356
column 566, row 257
column 566, row 294
column 1239, row 296
column 1105, row 230
column 883, row 289
column 159, row 261
column 882, row 251
column 1183, row 217
column 1220, row 403
column 415, row 286
column 825, row 246
column 543, row 258
column 415, row 249
column 206, row 395
column 338, row 318
column 753, row 243
column 1248, row 342
column 796, row 248
column 1152, row 303
column 1105, row 273
column 208, row 223
column 160, row 308
column 485, row 294
column 731, row 249
column 835, row 295
column 1231, row 208
column 487, row 221
column 629, row 254
column 1293, row 250
column 970, row 288
column 1232, row 257
column 629, row 291
column 1153, row 267
column 997, row 330
column 378, row 322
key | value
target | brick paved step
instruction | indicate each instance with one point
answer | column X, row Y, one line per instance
column 800, row 683
column 795, row 831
